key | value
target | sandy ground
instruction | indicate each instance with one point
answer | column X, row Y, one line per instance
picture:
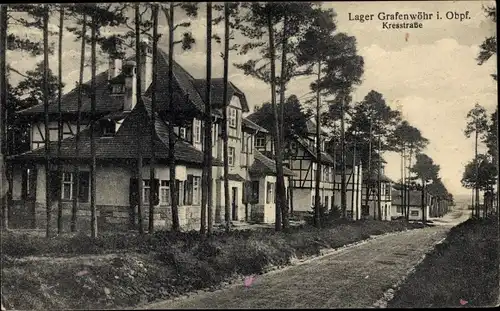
column 355, row 277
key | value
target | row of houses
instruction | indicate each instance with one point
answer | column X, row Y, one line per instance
column 122, row 131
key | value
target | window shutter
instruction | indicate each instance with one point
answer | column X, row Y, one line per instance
column 133, row 195
column 24, row 185
column 32, row 182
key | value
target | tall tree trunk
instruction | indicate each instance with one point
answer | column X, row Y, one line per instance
column 476, row 185
column 423, row 201
column 369, row 170
column 227, row 211
column 358, row 182
column 171, row 119
column 353, row 178
column 46, row 117
column 408, row 177
column 60, row 121
column 473, row 206
column 207, row 125
column 379, row 184
column 343, row 194
column 284, row 43
column 139, row 132
column 334, row 166
column 93, row 207
column 153, row 195
column 403, row 196
column 3, row 112
column 76, row 168
column 280, row 187
column 317, row 197
column 402, row 179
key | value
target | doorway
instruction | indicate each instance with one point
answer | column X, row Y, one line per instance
column 234, row 203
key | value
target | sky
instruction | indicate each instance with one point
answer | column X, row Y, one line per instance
column 430, row 74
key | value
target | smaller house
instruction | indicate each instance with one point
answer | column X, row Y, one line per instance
column 370, row 196
column 415, row 204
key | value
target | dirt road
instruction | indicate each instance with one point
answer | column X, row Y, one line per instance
column 355, row 277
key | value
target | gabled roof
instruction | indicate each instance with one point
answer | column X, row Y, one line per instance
column 125, row 143
column 186, row 95
column 349, row 157
column 325, row 157
column 374, row 177
column 105, row 102
column 217, row 92
column 264, row 166
column 311, row 127
column 415, row 198
column 247, row 123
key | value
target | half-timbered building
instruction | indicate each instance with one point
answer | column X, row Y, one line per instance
column 377, row 190
column 413, row 204
column 301, row 158
column 122, row 134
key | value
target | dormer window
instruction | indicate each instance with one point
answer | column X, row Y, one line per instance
column 108, row 128
column 182, row 132
column 260, row 142
column 117, row 85
column 118, row 89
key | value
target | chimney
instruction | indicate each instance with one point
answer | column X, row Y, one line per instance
column 146, row 58
column 129, row 100
column 115, row 67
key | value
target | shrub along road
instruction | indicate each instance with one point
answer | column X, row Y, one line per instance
column 355, row 277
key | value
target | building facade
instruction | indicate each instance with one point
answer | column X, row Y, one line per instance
column 372, row 194
column 121, row 131
column 414, row 205
column 302, row 159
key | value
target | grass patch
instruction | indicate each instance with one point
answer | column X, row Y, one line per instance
column 122, row 270
column 464, row 267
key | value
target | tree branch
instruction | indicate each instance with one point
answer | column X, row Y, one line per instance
column 17, row 71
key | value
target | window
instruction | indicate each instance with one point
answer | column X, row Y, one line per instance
column 313, row 203
column 107, row 127
column 197, row 131
column 67, row 186
column 117, row 89
column 326, row 201
column 232, row 117
column 165, row 192
column 231, row 156
column 145, row 190
column 192, row 190
column 414, row 213
column 399, row 209
column 388, row 192
column 182, row 132
column 332, row 202
column 260, row 142
column 270, row 193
